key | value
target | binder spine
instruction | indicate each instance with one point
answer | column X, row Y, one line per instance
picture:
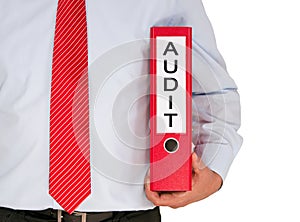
column 170, row 108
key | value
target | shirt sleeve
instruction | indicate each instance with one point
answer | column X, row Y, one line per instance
column 216, row 103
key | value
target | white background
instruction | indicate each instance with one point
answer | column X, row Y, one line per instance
column 260, row 42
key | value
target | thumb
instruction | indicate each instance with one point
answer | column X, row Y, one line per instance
column 147, row 177
column 197, row 163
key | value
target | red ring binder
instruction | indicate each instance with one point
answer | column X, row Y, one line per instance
column 170, row 108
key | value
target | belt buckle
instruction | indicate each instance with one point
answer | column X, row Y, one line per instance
column 80, row 214
column 59, row 215
column 77, row 214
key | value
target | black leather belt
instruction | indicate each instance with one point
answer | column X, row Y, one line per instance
column 58, row 215
column 51, row 215
column 83, row 217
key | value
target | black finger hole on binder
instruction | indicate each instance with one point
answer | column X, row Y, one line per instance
column 171, row 145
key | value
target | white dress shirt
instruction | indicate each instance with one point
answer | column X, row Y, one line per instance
column 118, row 33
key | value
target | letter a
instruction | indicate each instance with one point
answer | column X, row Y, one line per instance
column 170, row 48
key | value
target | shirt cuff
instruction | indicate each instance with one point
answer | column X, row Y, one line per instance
column 217, row 157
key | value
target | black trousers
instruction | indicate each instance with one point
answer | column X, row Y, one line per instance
column 49, row 215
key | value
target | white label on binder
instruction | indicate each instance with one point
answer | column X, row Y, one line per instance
column 171, row 84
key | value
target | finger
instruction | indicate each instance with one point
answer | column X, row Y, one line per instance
column 167, row 199
column 147, row 178
column 172, row 195
column 196, row 163
column 164, row 198
column 179, row 194
column 175, row 199
column 151, row 195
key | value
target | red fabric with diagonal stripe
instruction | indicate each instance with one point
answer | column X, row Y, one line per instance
column 69, row 176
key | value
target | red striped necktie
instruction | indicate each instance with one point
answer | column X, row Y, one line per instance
column 69, row 176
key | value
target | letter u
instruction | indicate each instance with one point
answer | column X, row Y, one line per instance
column 166, row 67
